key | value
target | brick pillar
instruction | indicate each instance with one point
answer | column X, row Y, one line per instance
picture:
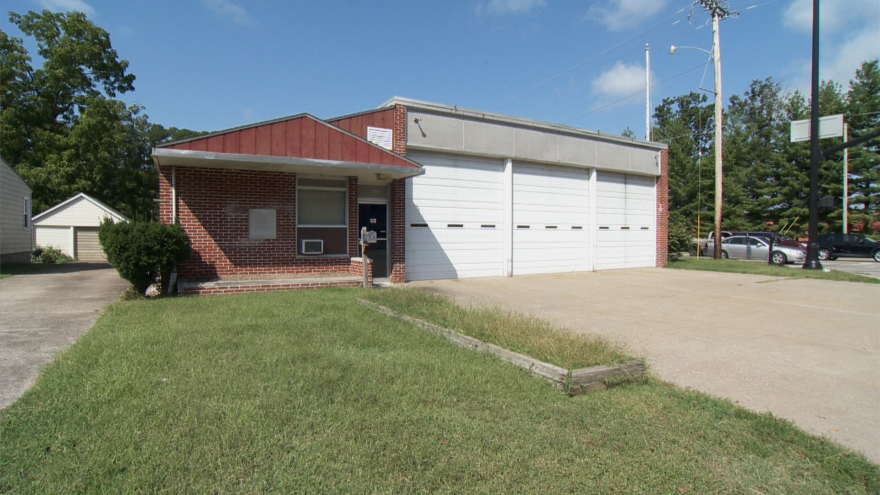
column 397, row 205
column 353, row 249
column 165, row 195
column 399, row 131
column 663, row 211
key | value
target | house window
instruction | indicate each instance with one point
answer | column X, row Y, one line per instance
column 322, row 214
column 27, row 214
column 321, row 203
column 261, row 224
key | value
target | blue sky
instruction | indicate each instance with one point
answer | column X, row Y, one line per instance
column 215, row 64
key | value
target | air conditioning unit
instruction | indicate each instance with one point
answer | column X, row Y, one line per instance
column 312, row 246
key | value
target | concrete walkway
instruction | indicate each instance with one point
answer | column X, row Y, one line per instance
column 806, row 350
column 44, row 312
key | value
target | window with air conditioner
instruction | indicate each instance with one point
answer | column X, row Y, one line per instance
column 322, row 216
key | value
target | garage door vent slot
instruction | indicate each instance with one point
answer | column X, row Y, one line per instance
column 646, row 228
column 550, row 227
column 624, row 228
column 487, row 226
column 418, row 225
column 577, row 227
column 522, row 226
column 455, row 225
column 603, row 228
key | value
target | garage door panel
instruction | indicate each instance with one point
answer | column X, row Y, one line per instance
column 88, row 247
column 459, row 191
column 58, row 237
column 625, row 206
column 553, row 196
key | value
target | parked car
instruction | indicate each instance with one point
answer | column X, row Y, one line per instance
column 777, row 239
column 832, row 246
column 701, row 244
column 755, row 248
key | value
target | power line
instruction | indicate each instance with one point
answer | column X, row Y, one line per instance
column 632, row 95
column 591, row 58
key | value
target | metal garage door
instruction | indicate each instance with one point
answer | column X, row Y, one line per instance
column 626, row 236
column 550, row 219
column 454, row 218
column 88, row 248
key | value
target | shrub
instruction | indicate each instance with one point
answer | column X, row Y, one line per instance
column 51, row 254
column 144, row 252
column 680, row 240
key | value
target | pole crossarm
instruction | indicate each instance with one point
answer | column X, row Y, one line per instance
column 852, row 142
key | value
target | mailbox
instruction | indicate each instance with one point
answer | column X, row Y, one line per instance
column 369, row 237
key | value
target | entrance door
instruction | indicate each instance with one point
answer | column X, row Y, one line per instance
column 375, row 218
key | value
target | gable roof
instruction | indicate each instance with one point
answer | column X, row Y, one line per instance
column 297, row 136
column 77, row 198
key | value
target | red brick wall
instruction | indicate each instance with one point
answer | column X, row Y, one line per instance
column 399, row 143
column 213, row 207
column 397, row 207
column 353, row 233
column 663, row 210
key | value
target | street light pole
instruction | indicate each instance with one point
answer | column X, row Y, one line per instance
column 648, row 87
column 812, row 262
column 719, row 135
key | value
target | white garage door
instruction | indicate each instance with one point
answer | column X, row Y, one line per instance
column 88, row 247
column 626, row 236
column 454, row 218
column 58, row 237
column 550, row 219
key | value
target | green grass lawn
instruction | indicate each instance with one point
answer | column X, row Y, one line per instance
column 736, row 266
column 310, row 392
column 521, row 333
column 12, row 269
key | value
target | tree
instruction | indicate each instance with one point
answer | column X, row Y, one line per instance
column 63, row 130
column 863, row 116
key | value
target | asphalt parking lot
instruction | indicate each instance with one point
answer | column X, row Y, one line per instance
column 805, row 350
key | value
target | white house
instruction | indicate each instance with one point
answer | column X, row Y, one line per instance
column 15, row 216
column 72, row 226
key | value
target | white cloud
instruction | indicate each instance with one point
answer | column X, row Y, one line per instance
column 501, row 7
column 620, row 81
column 67, row 6
column 849, row 35
column 618, row 15
column 235, row 12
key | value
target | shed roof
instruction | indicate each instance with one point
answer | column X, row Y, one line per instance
column 81, row 197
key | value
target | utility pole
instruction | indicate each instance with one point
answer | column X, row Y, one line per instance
column 845, row 181
column 812, row 262
column 718, row 13
column 648, row 86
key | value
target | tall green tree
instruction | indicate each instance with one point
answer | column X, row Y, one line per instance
column 863, row 116
column 63, row 130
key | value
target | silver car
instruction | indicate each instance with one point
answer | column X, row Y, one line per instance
column 740, row 247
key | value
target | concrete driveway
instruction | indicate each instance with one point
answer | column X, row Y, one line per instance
column 806, row 350
column 44, row 312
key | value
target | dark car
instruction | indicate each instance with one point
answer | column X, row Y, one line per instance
column 776, row 239
column 833, row 246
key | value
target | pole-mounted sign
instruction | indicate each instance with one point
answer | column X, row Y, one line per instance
column 829, row 127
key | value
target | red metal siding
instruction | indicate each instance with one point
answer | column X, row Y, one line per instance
column 294, row 138
column 322, row 141
column 304, row 137
column 279, row 139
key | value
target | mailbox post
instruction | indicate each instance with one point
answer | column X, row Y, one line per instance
column 367, row 238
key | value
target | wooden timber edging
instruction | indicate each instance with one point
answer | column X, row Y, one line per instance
column 574, row 382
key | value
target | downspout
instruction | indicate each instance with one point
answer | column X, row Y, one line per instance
column 172, row 280
column 173, row 195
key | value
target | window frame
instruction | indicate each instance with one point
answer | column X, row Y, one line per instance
column 26, row 213
column 343, row 189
